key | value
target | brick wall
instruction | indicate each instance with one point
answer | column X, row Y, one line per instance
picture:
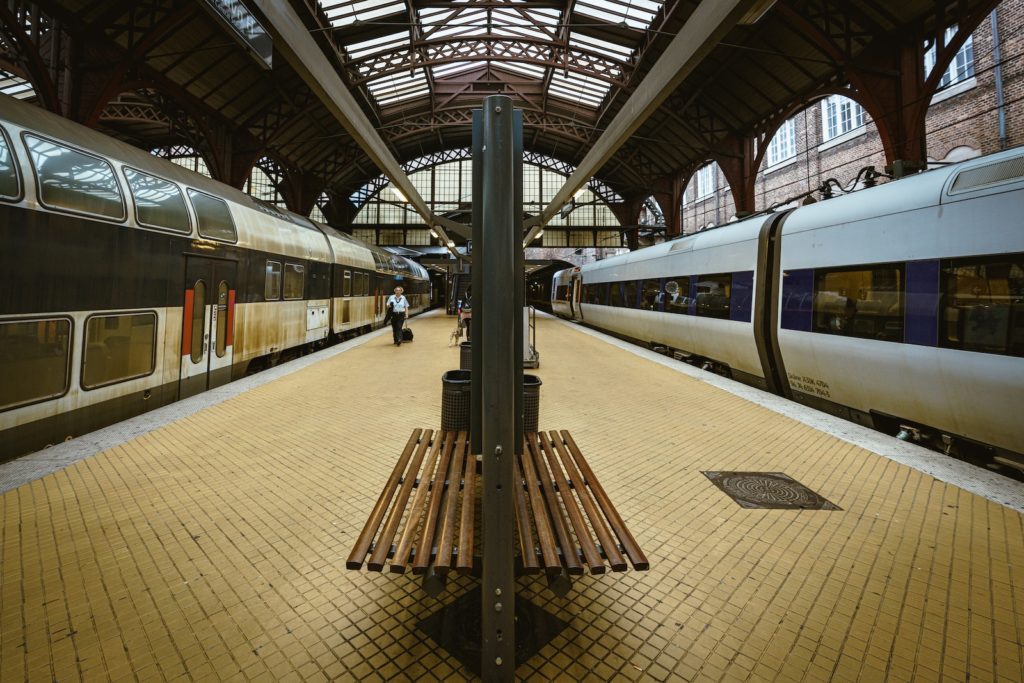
column 962, row 120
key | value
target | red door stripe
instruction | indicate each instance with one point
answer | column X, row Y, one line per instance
column 186, row 323
column 231, row 317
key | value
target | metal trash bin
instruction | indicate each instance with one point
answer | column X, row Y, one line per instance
column 455, row 400
column 531, row 402
column 466, row 356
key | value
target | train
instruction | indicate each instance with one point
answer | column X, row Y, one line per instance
column 128, row 282
column 900, row 307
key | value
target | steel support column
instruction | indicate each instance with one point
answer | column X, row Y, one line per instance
column 494, row 340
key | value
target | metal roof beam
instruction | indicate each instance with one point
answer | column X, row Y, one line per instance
column 706, row 26
column 292, row 39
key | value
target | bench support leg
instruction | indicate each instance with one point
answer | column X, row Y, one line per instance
column 560, row 584
column 434, row 583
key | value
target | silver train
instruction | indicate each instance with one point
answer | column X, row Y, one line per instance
column 128, row 282
column 900, row 307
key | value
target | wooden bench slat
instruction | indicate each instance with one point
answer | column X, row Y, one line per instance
column 527, row 548
column 604, row 536
column 358, row 556
column 401, row 558
column 565, row 542
column 590, row 554
column 545, row 535
column 629, row 543
column 564, row 518
column 443, row 563
column 464, row 562
column 437, row 492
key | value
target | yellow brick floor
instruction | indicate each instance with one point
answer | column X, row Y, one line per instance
column 214, row 547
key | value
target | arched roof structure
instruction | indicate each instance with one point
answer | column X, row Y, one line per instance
column 417, row 68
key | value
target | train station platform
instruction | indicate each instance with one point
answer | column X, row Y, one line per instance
column 207, row 540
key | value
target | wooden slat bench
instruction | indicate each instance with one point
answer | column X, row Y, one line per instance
column 427, row 516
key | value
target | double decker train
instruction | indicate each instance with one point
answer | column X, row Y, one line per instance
column 128, row 282
column 900, row 307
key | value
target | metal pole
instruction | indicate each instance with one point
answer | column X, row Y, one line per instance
column 519, row 291
column 495, row 340
column 475, row 434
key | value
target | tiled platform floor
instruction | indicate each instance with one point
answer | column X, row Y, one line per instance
column 214, row 547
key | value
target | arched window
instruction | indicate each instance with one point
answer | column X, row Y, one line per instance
column 445, row 182
column 185, row 156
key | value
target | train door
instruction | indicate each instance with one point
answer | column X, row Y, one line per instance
column 574, row 296
column 208, row 324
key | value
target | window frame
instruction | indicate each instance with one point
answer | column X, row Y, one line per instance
column 947, row 266
column 266, row 281
column 346, row 283
column 900, row 267
column 18, row 176
column 284, row 277
column 118, row 314
column 72, row 212
column 773, row 154
column 712, row 173
column 199, row 227
column 853, row 130
column 67, row 363
column 192, row 224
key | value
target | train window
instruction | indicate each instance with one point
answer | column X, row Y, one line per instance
column 34, row 360
column 222, row 319
column 364, row 284
column 595, row 293
column 677, row 295
column 213, row 216
column 629, row 291
column 9, row 185
column 861, row 301
column 982, row 304
column 198, row 321
column 70, row 180
column 713, row 292
column 158, row 203
column 272, row 286
column 651, row 295
column 615, row 295
column 294, row 280
column 347, row 286
column 118, row 348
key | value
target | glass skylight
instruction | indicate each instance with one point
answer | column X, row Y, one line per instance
column 635, row 14
column 398, row 87
column 345, row 12
column 578, row 88
column 461, row 36
column 16, row 86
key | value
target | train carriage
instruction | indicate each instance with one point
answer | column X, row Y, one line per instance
column 128, row 282
column 900, row 307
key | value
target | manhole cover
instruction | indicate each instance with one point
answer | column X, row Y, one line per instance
column 768, row 490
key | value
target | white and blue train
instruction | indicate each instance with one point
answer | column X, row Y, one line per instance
column 900, row 307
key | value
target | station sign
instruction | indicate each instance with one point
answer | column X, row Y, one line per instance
column 246, row 28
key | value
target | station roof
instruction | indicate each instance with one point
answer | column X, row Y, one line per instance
column 418, row 68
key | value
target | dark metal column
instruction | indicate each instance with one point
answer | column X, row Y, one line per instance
column 494, row 340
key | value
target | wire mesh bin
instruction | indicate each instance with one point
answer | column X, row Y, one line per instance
column 455, row 399
column 531, row 402
column 456, row 393
column 466, row 356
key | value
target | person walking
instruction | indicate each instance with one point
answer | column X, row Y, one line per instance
column 399, row 307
